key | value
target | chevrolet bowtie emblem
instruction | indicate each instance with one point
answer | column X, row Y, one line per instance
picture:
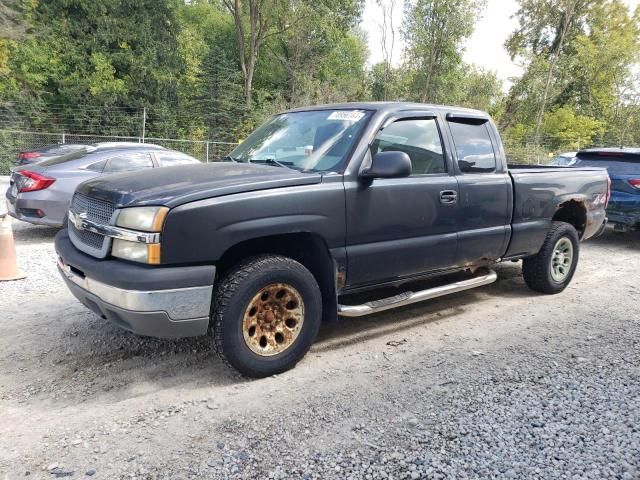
column 78, row 219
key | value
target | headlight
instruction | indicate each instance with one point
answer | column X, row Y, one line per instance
column 136, row 252
column 148, row 219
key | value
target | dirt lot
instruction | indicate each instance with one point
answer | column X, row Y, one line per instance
column 497, row 382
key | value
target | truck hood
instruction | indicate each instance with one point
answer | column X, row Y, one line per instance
column 173, row 186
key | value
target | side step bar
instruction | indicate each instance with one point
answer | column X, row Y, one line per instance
column 408, row 298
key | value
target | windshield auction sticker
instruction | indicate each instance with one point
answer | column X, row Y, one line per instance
column 346, row 115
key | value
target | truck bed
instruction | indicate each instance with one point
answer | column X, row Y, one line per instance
column 534, row 168
column 539, row 191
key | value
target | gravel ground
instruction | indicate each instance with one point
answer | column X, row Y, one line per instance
column 497, row 382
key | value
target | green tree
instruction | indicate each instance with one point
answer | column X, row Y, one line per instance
column 434, row 32
column 601, row 81
column 578, row 54
column 221, row 104
column 567, row 130
column 387, row 82
column 479, row 89
column 254, row 22
column 546, row 27
column 98, row 54
column 322, row 57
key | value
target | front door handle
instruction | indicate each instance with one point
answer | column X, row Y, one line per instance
column 448, row 197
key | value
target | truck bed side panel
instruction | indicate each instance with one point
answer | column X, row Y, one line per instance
column 540, row 192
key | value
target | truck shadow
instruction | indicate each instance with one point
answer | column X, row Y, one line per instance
column 25, row 233
column 628, row 240
column 90, row 360
column 349, row 331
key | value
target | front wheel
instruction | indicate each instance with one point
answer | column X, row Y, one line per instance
column 266, row 314
column 551, row 270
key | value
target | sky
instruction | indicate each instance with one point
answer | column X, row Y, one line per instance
column 485, row 47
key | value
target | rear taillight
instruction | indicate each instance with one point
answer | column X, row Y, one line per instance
column 606, row 204
column 28, row 155
column 634, row 182
column 32, row 181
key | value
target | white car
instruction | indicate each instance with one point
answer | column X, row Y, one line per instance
column 564, row 159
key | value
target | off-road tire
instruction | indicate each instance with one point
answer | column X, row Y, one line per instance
column 537, row 270
column 234, row 293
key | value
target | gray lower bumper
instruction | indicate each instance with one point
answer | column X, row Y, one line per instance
column 181, row 312
column 52, row 211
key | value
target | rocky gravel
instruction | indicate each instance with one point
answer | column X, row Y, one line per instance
column 497, row 382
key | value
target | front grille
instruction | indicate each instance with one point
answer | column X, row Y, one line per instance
column 98, row 211
column 91, row 239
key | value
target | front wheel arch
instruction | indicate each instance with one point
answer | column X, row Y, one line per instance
column 233, row 302
column 309, row 249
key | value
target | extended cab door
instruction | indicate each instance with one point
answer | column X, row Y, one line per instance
column 485, row 194
column 402, row 227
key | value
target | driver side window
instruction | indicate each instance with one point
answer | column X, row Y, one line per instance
column 419, row 139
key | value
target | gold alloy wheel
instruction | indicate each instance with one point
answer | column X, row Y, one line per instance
column 273, row 319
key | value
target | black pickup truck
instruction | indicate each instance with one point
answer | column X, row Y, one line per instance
column 318, row 204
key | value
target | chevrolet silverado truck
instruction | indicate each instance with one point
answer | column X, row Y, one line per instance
column 318, row 206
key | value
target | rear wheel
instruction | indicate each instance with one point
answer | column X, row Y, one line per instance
column 266, row 314
column 551, row 270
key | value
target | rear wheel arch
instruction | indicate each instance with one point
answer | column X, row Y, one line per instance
column 538, row 270
column 309, row 249
column 573, row 212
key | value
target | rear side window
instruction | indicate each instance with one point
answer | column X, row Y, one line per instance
column 168, row 159
column 473, row 147
column 129, row 163
column 419, row 139
column 97, row 166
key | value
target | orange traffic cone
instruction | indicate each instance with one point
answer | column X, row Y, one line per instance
column 8, row 266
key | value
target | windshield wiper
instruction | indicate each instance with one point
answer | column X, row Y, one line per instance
column 273, row 161
column 229, row 158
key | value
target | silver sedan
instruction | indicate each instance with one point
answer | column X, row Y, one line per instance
column 41, row 193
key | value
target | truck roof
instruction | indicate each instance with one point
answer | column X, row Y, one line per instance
column 611, row 151
column 392, row 107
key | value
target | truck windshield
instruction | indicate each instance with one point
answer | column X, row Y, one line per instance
column 315, row 141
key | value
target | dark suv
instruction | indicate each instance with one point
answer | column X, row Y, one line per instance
column 623, row 165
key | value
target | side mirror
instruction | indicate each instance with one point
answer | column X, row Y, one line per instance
column 388, row 165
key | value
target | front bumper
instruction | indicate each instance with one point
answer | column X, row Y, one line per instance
column 165, row 302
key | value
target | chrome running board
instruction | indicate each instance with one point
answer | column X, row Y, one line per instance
column 407, row 298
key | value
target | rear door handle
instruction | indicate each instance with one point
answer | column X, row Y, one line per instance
column 448, row 196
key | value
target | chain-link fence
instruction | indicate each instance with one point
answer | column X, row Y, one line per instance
column 12, row 142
